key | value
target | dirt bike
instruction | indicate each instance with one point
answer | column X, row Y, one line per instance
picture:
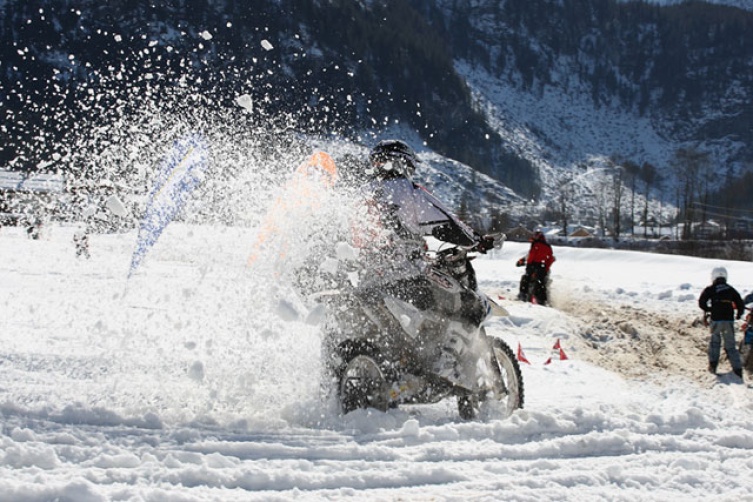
column 379, row 347
column 534, row 285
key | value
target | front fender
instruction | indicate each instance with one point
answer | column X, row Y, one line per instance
column 494, row 309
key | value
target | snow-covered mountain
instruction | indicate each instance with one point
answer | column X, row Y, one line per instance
column 537, row 97
column 622, row 84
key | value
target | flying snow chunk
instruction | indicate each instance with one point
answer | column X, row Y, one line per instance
column 205, row 35
column 329, row 266
column 317, row 315
column 89, row 211
column 287, row 311
column 245, row 102
column 114, row 204
column 345, row 251
column 354, row 279
column 196, row 371
column 266, row 45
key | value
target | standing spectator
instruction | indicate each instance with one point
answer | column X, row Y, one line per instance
column 33, row 230
column 746, row 344
column 81, row 241
column 719, row 302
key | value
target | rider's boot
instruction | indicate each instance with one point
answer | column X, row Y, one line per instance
column 523, row 288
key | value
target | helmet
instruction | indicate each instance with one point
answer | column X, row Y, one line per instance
column 392, row 157
column 718, row 273
column 538, row 235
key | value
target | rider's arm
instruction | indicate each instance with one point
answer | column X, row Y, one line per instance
column 450, row 232
column 438, row 221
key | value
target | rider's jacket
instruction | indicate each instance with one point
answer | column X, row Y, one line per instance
column 396, row 216
column 724, row 299
column 540, row 253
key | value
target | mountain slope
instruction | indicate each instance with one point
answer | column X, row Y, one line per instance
column 529, row 93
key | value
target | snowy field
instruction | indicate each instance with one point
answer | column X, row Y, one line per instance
column 184, row 384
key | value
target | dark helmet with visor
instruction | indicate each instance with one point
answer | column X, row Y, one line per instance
column 392, row 157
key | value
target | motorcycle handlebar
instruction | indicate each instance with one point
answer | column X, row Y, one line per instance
column 484, row 244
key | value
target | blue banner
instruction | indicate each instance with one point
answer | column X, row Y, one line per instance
column 179, row 174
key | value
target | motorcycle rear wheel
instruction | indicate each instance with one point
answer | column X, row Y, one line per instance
column 362, row 385
column 536, row 293
column 468, row 406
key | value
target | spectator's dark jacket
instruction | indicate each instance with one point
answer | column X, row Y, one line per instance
column 721, row 300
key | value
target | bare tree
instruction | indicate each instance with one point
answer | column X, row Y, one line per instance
column 688, row 165
column 618, row 190
column 566, row 194
column 649, row 175
column 630, row 173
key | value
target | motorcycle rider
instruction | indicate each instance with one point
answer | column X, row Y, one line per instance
column 394, row 219
column 719, row 301
column 538, row 262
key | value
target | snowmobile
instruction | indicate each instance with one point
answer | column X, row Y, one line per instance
column 379, row 349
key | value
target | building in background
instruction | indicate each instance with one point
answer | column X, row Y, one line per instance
column 29, row 199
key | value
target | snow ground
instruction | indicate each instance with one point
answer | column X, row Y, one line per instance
column 182, row 385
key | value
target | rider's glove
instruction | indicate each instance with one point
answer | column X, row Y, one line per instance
column 485, row 244
column 520, row 262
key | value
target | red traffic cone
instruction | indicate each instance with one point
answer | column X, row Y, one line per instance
column 558, row 346
column 521, row 356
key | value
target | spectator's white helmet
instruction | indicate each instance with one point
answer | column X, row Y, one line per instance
column 718, row 273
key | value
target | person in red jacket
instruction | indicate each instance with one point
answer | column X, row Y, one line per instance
column 538, row 262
